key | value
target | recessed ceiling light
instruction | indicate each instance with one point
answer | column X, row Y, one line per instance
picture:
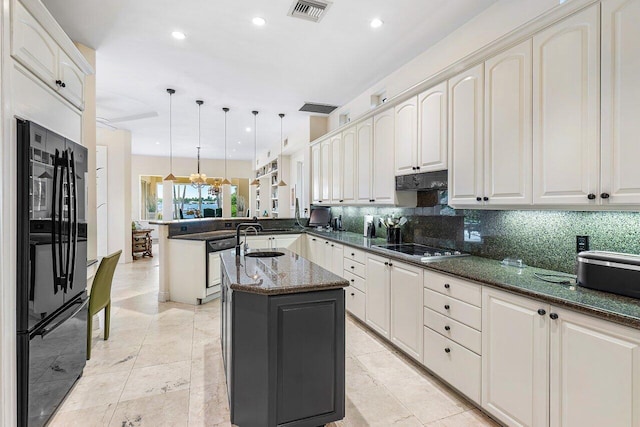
column 248, row 129
column 179, row 35
column 376, row 23
column 258, row 21
column 157, row 143
column 239, row 142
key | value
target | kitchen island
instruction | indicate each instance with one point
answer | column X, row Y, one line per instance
column 283, row 340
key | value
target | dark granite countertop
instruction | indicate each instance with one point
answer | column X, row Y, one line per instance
column 287, row 274
column 225, row 234
column 616, row 308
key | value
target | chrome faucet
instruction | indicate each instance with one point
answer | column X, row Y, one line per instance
column 246, row 225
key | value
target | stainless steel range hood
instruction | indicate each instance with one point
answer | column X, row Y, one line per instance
column 426, row 181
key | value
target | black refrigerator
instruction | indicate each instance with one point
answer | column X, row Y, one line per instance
column 51, row 270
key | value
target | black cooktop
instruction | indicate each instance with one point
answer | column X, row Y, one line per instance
column 423, row 251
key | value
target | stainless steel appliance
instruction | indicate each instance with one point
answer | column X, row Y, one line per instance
column 214, row 246
column 613, row 272
column 423, row 253
column 51, row 309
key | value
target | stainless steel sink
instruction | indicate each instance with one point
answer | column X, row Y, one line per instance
column 264, row 254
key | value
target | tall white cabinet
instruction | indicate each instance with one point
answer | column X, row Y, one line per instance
column 349, row 156
column 406, row 137
column 566, row 113
column 364, row 161
column 465, row 136
column 432, row 129
column 620, row 174
column 384, row 184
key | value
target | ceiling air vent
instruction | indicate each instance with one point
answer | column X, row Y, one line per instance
column 318, row 108
column 311, row 10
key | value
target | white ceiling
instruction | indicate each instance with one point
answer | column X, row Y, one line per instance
column 227, row 61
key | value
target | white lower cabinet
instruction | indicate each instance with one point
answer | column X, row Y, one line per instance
column 544, row 365
column 406, row 308
column 355, row 302
column 595, row 372
column 377, row 294
column 515, row 383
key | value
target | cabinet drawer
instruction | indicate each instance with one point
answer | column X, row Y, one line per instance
column 355, row 268
column 355, row 281
column 454, row 330
column 453, row 363
column 354, row 255
column 458, row 310
column 355, row 302
column 456, row 288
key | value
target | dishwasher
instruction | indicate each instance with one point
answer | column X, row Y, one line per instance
column 213, row 263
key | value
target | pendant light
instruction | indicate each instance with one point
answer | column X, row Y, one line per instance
column 255, row 145
column 225, row 181
column 171, row 176
column 281, row 183
column 198, row 180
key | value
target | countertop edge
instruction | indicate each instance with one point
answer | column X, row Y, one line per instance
column 288, row 291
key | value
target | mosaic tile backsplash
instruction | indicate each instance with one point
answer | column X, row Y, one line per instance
column 545, row 239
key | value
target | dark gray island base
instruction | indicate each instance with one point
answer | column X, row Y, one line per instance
column 283, row 341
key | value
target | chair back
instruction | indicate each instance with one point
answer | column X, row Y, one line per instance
column 209, row 213
column 218, row 212
column 101, row 290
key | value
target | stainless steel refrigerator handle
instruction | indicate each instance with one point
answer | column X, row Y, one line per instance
column 54, row 246
column 69, row 223
column 61, row 278
column 74, row 225
column 46, row 331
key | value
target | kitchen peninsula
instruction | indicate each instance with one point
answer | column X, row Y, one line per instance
column 283, row 340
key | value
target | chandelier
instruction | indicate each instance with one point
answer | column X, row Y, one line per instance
column 215, row 185
column 198, row 180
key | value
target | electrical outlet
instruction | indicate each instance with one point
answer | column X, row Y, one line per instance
column 183, row 228
column 227, row 225
column 582, row 243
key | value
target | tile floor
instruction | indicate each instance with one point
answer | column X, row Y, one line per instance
column 162, row 366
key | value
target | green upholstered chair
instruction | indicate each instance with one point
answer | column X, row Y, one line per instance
column 100, row 296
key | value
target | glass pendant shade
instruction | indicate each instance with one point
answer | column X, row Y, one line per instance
column 281, row 183
column 171, row 176
column 255, row 145
column 198, row 180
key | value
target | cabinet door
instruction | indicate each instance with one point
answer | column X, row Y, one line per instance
column 73, row 79
column 316, row 174
column 384, row 183
column 32, row 46
column 432, row 129
column 258, row 242
column 595, row 372
column 406, row 137
column 407, row 308
column 349, row 153
column 364, row 160
column 337, row 165
column 465, row 137
column 507, row 126
column 515, row 361
column 325, row 172
column 620, row 106
column 337, row 259
column 377, row 294
column 287, row 242
column 316, row 251
column 566, row 110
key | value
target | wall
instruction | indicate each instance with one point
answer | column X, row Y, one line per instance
column 118, row 143
column 545, row 239
column 89, row 141
column 159, row 166
column 496, row 21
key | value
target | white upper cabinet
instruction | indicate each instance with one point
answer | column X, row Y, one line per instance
column 432, row 129
column 384, row 184
column 364, row 161
column 620, row 179
column 566, row 110
column 406, row 137
column 337, row 165
column 325, row 172
column 507, row 127
column 34, row 48
column 316, row 172
column 465, row 137
column 595, row 372
column 349, row 155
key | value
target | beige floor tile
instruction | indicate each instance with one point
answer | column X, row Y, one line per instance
column 207, row 371
column 170, row 410
column 111, row 359
column 388, row 367
column 161, row 354
column 159, row 379
column 97, row 416
column 208, row 405
column 472, row 418
column 95, row 390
